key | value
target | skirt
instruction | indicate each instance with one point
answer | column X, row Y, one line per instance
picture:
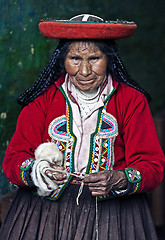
column 31, row 217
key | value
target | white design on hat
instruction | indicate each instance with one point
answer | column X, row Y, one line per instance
column 86, row 17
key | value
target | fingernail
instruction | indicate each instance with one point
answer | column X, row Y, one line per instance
column 49, row 174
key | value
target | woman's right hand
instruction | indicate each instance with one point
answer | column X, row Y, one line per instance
column 58, row 176
column 47, row 176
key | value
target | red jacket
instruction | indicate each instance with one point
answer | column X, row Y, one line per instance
column 136, row 145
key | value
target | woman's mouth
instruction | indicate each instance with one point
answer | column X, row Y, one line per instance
column 86, row 81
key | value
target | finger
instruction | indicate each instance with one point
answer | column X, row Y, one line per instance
column 98, row 184
column 56, row 166
column 60, row 182
column 92, row 178
column 49, row 174
column 58, row 176
column 96, row 194
column 101, row 184
column 99, row 191
column 103, row 176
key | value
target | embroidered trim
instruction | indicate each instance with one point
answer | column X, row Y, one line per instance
column 94, row 158
column 60, row 133
column 55, row 195
column 102, row 143
column 25, row 172
column 133, row 175
column 107, row 156
column 59, row 136
column 57, row 129
column 134, row 179
column 109, row 126
column 27, row 164
column 72, row 142
column 101, row 155
column 77, row 181
column 136, row 187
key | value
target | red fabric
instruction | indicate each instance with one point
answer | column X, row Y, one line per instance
column 136, row 146
column 76, row 30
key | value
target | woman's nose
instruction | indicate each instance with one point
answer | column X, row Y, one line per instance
column 85, row 68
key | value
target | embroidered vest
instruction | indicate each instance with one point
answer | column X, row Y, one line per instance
column 101, row 154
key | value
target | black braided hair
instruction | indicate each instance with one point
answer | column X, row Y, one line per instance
column 47, row 77
column 56, row 65
column 116, row 66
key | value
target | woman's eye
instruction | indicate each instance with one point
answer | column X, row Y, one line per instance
column 94, row 58
column 75, row 58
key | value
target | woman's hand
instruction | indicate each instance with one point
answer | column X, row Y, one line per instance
column 47, row 176
column 101, row 183
column 58, row 176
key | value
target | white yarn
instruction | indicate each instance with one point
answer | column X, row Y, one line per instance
column 49, row 150
column 81, row 175
column 45, row 154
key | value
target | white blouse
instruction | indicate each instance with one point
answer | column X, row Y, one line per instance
column 85, row 113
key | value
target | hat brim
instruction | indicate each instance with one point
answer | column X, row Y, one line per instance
column 86, row 30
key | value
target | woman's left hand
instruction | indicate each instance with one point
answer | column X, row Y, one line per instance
column 101, row 183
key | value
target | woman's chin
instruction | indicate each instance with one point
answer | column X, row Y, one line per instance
column 86, row 87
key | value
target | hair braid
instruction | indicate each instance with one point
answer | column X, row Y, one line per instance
column 116, row 67
column 121, row 74
column 48, row 75
column 56, row 64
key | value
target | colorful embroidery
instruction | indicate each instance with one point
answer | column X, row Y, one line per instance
column 55, row 195
column 134, row 179
column 57, row 129
column 109, row 126
column 96, row 155
column 60, row 130
column 133, row 175
column 72, row 141
column 136, row 187
column 101, row 155
column 103, row 143
column 23, row 178
column 26, row 164
column 25, row 172
column 107, row 154
column 61, row 146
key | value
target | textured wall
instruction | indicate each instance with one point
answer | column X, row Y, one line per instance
column 24, row 52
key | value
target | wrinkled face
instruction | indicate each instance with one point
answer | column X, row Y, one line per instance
column 86, row 65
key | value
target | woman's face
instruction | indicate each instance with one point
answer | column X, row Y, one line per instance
column 86, row 65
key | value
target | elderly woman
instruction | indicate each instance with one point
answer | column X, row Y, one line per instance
column 85, row 149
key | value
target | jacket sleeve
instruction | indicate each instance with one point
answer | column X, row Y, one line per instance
column 142, row 149
column 19, row 154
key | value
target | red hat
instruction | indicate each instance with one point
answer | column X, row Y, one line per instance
column 86, row 26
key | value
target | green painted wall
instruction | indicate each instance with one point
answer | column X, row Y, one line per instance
column 24, row 52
